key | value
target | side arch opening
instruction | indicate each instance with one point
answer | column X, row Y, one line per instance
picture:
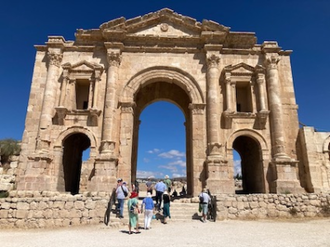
column 251, row 165
column 73, row 148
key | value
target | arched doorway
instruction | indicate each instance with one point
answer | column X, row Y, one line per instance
column 161, row 142
column 170, row 92
column 251, row 165
column 73, row 148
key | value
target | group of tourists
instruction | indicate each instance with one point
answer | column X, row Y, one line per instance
column 148, row 207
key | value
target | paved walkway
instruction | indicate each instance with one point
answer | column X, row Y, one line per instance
column 266, row 233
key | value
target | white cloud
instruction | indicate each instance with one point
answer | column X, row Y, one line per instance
column 237, row 167
column 169, row 167
column 145, row 174
column 178, row 175
column 179, row 163
column 146, row 160
column 172, row 154
column 153, row 151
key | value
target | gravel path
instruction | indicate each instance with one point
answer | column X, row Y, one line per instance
column 266, row 233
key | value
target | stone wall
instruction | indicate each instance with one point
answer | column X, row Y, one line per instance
column 51, row 209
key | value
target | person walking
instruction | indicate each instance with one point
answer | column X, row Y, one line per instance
column 120, row 192
column 149, row 185
column 166, row 207
column 160, row 188
column 168, row 183
column 133, row 213
column 204, row 200
column 148, row 206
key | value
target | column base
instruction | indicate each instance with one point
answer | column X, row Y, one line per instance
column 220, row 176
column 104, row 178
column 287, row 177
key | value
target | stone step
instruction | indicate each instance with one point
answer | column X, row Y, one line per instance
column 179, row 212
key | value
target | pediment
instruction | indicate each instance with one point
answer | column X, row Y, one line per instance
column 84, row 66
column 240, row 69
column 164, row 22
column 157, row 29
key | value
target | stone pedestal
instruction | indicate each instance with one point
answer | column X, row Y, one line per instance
column 220, row 176
column 104, row 177
column 287, row 177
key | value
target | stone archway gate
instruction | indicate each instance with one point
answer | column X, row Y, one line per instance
column 91, row 84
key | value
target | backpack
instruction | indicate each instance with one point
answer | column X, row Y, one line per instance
column 201, row 198
column 124, row 191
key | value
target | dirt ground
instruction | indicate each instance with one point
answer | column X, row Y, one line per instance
column 266, row 233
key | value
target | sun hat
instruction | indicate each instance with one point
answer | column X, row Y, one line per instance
column 119, row 180
column 148, row 194
column 166, row 176
column 133, row 195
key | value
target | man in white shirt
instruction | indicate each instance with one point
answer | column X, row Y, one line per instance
column 204, row 200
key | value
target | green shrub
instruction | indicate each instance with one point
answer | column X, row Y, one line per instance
column 4, row 194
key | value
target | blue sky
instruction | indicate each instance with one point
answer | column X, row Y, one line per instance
column 299, row 25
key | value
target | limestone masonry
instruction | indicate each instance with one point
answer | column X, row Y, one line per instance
column 235, row 95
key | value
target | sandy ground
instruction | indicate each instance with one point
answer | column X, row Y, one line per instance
column 266, row 233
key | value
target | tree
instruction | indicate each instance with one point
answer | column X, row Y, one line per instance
column 8, row 147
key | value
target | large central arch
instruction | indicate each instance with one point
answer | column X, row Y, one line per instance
column 180, row 88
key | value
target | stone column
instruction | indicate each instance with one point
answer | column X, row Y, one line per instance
column 261, row 83
column 108, row 143
column 229, row 95
column 286, row 168
column 196, row 130
column 48, row 105
column 275, row 106
column 126, row 140
column 213, row 118
column 63, row 89
column 219, row 174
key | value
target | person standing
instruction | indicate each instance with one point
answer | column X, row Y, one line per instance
column 168, row 183
column 204, row 200
column 166, row 207
column 148, row 205
column 120, row 192
column 160, row 188
column 133, row 217
column 149, row 185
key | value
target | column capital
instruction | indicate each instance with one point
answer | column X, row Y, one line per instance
column 197, row 109
column 271, row 60
column 114, row 58
column 127, row 107
column 212, row 60
column 54, row 58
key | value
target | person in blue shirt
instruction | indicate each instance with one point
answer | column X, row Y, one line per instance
column 160, row 187
column 148, row 205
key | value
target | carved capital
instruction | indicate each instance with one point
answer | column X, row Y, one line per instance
column 127, row 107
column 114, row 58
column 55, row 58
column 213, row 61
column 271, row 61
column 197, row 109
column 260, row 78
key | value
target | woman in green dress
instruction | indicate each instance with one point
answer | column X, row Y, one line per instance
column 133, row 217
